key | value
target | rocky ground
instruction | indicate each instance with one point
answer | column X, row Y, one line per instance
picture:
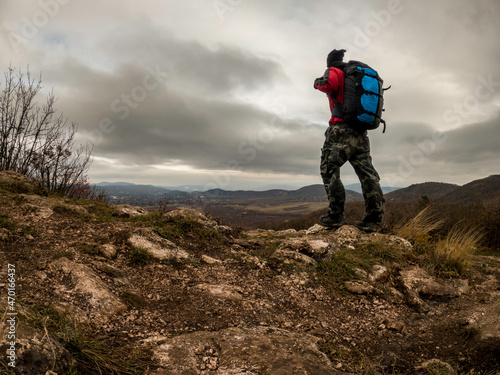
column 117, row 290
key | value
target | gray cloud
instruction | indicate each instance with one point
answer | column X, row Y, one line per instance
column 174, row 85
column 472, row 143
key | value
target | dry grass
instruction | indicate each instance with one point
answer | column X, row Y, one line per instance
column 421, row 226
column 91, row 352
column 447, row 252
column 458, row 246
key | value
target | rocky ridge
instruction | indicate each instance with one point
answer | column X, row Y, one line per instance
column 120, row 290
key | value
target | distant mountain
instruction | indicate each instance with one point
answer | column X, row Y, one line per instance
column 357, row 188
column 188, row 188
column 317, row 193
column 477, row 191
column 311, row 193
column 104, row 183
column 141, row 195
column 433, row 190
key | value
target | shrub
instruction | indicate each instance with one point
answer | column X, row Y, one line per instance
column 36, row 142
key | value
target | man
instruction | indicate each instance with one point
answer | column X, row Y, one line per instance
column 344, row 143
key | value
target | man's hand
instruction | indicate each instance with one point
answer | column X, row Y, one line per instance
column 321, row 81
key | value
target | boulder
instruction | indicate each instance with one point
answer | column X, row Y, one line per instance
column 315, row 229
column 359, row 287
column 158, row 247
column 312, row 247
column 417, row 280
column 210, row 260
column 483, row 319
column 200, row 219
column 36, row 352
column 87, row 285
column 108, row 251
column 259, row 350
column 378, row 272
column 124, row 210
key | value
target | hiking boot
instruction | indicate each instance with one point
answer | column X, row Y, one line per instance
column 367, row 226
column 332, row 221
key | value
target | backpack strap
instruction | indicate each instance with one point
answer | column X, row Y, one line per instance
column 338, row 110
column 383, row 122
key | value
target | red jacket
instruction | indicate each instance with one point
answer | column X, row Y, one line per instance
column 332, row 83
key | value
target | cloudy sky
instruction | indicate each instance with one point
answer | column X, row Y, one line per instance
column 218, row 93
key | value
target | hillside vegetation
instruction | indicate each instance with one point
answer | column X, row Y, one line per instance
column 103, row 289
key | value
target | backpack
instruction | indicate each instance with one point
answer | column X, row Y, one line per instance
column 363, row 97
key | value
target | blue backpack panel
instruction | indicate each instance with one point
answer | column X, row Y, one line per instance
column 363, row 97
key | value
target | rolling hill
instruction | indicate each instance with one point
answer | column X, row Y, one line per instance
column 433, row 190
column 477, row 191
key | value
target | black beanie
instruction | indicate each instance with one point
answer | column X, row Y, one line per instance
column 335, row 55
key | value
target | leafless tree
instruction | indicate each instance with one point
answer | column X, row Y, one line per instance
column 37, row 142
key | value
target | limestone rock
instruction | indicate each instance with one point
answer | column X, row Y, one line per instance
column 39, row 212
column 88, row 285
column 125, row 210
column 210, row 260
column 242, row 351
column 484, row 319
column 359, row 287
column 418, row 280
column 315, row 229
column 394, row 325
column 398, row 241
column 311, row 247
column 349, row 235
column 108, row 251
column 158, row 247
column 36, row 352
column 378, row 272
column 286, row 232
column 223, row 291
column 200, row 219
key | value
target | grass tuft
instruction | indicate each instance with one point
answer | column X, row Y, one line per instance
column 89, row 249
column 419, row 229
column 454, row 252
column 92, row 353
column 179, row 228
column 6, row 222
column 139, row 257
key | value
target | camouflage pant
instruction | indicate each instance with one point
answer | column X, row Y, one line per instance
column 343, row 144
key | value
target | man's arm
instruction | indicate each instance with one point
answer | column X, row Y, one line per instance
column 329, row 83
column 321, row 83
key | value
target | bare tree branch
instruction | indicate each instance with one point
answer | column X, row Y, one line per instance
column 37, row 142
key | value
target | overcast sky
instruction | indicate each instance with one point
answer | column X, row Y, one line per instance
column 219, row 93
